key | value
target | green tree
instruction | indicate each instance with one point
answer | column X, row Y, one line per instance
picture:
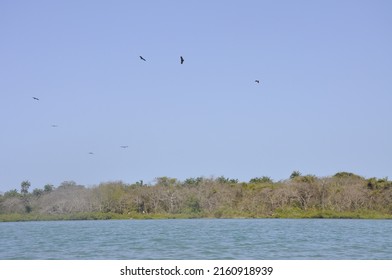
column 307, row 178
column 223, row 180
column 38, row 192
column 165, row 181
column 192, row 205
column 24, row 187
column 374, row 183
column 295, row 174
column 193, row 181
column 259, row 180
column 347, row 175
column 48, row 188
column 12, row 193
column 70, row 185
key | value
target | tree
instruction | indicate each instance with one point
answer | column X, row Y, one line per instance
column 165, row 181
column 24, row 187
column 112, row 197
column 347, row 175
column 11, row 193
column 306, row 179
column 223, row 180
column 374, row 183
column 295, row 174
column 264, row 179
column 70, row 185
column 38, row 192
column 193, row 181
column 48, row 188
column 192, row 205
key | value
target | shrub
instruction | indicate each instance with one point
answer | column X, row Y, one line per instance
column 374, row 183
column 347, row 175
column 260, row 180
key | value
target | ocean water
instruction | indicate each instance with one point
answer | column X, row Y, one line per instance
column 273, row 239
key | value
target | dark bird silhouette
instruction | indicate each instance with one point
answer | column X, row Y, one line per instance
column 90, row 153
column 142, row 58
column 182, row 59
column 55, row 125
column 124, row 147
column 35, row 98
column 257, row 81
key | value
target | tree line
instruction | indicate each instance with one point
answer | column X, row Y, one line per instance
column 332, row 196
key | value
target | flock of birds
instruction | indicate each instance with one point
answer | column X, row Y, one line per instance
column 182, row 60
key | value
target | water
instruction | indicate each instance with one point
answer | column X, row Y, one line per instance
column 198, row 239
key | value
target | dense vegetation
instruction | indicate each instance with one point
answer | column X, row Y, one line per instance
column 343, row 195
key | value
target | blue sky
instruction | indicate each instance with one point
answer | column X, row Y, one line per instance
column 322, row 106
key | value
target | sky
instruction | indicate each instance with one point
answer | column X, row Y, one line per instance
column 323, row 104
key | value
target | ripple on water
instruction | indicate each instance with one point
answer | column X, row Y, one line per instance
column 198, row 239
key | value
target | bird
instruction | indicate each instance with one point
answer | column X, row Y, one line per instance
column 90, row 153
column 35, row 98
column 257, row 81
column 55, row 125
column 142, row 58
column 182, row 59
column 124, row 147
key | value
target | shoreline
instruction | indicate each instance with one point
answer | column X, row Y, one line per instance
column 137, row 216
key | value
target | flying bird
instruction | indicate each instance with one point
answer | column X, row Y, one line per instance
column 35, row 98
column 142, row 58
column 124, row 147
column 257, row 81
column 182, row 59
column 90, row 153
column 55, row 125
